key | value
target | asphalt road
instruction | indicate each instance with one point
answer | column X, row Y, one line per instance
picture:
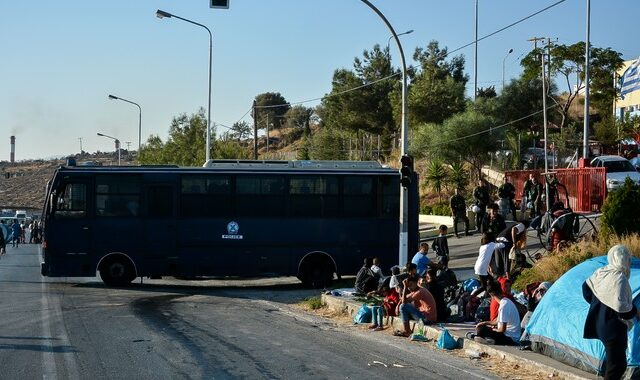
column 165, row 329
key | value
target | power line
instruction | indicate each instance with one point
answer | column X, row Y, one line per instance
column 494, row 128
column 412, row 67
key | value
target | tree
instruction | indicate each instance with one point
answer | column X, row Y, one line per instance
column 567, row 63
column 437, row 86
column 521, row 97
column 487, row 92
column 368, row 108
column 271, row 107
column 328, row 144
column 462, row 137
column 240, row 130
column 185, row 145
column 458, row 175
column 621, row 210
column 436, row 176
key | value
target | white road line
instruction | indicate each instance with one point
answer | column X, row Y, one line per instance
column 49, row 370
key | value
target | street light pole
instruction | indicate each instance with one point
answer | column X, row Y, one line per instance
column 404, row 200
column 162, row 14
column 117, row 144
column 113, row 97
column 503, row 61
column 585, row 132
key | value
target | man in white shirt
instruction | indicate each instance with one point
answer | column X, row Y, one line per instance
column 505, row 330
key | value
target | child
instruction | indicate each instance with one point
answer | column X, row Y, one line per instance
column 388, row 308
column 441, row 247
column 375, row 268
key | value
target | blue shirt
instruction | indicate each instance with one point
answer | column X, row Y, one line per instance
column 421, row 261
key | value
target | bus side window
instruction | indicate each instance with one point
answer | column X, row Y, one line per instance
column 72, row 201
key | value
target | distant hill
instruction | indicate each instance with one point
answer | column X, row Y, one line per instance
column 23, row 183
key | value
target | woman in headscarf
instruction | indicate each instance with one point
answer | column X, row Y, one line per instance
column 609, row 294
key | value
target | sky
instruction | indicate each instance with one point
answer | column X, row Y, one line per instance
column 59, row 60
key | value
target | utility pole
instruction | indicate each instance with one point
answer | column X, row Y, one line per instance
column 80, row 139
column 255, row 131
column 544, row 112
column 267, row 132
column 585, row 137
column 475, row 70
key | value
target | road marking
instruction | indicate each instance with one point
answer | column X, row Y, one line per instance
column 49, row 370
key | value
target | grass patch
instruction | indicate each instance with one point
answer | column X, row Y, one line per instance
column 313, row 303
column 557, row 263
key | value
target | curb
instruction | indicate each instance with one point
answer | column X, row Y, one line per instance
column 527, row 360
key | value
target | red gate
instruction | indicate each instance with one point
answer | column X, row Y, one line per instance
column 586, row 187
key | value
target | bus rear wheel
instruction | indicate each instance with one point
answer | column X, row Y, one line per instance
column 117, row 271
column 317, row 272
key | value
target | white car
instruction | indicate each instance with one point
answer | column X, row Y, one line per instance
column 618, row 169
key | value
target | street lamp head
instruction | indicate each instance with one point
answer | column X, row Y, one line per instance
column 163, row 14
column 409, row 31
column 510, row 51
column 113, row 97
column 100, row 134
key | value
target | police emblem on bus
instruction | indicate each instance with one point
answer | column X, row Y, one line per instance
column 232, row 231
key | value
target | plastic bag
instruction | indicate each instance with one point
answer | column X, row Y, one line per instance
column 363, row 315
column 470, row 284
column 446, row 341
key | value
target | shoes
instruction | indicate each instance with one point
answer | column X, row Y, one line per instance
column 371, row 327
column 479, row 339
column 470, row 335
column 379, row 328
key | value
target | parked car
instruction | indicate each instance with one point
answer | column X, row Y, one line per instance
column 533, row 158
column 618, row 169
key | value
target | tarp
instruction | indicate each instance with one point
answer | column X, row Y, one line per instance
column 557, row 325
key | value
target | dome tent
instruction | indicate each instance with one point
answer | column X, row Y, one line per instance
column 556, row 327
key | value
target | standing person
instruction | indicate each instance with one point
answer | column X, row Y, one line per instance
column 533, row 191
column 415, row 303
column 507, row 192
column 482, row 267
column 459, row 211
column 481, row 197
column 16, row 233
column 3, row 243
column 611, row 308
column 441, row 247
column 421, row 260
column 493, row 223
column 505, row 330
column 514, row 238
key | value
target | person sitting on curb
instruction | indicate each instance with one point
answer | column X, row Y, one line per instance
column 416, row 303
column 505, row 330
column 422, row 261
column 366, row 280
column 410, row 270
column 389, row 308
column 437, row 291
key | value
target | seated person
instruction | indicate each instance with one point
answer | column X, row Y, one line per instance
column 410, row 270
column 533, row 297
column 437, row 291
column 416, row 303
column 366, row 280
column 505, row 330
column 389, row 308
column 505, row 285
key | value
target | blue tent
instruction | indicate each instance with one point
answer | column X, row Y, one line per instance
column 556, row 327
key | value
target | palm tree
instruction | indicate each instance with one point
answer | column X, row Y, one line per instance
column 436, row 177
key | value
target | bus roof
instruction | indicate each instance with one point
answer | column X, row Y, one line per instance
column 230, row 166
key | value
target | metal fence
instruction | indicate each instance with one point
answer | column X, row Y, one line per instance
column 586, row 187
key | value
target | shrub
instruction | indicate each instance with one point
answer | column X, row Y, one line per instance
column 551, row 267
column 621, row 210
column 313, row 303
column 441, row 209
column 426, row 210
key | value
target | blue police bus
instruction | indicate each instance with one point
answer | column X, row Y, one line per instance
column 312, row 219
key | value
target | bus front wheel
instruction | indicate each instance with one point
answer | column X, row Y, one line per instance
column 117, row 271
column 317, row 272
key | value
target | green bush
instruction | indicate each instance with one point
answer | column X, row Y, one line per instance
column 426, row 210
column 441, row 209
column 621, row 210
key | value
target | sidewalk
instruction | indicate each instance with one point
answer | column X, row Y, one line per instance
column 528, row 361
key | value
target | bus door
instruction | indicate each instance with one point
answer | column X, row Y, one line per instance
column 69, row 232
column 161, row 229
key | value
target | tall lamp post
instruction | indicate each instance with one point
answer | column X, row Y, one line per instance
column 404, row 200
column 113, row 97
column 116, row 141
column 503, row 62
column 162, row 14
